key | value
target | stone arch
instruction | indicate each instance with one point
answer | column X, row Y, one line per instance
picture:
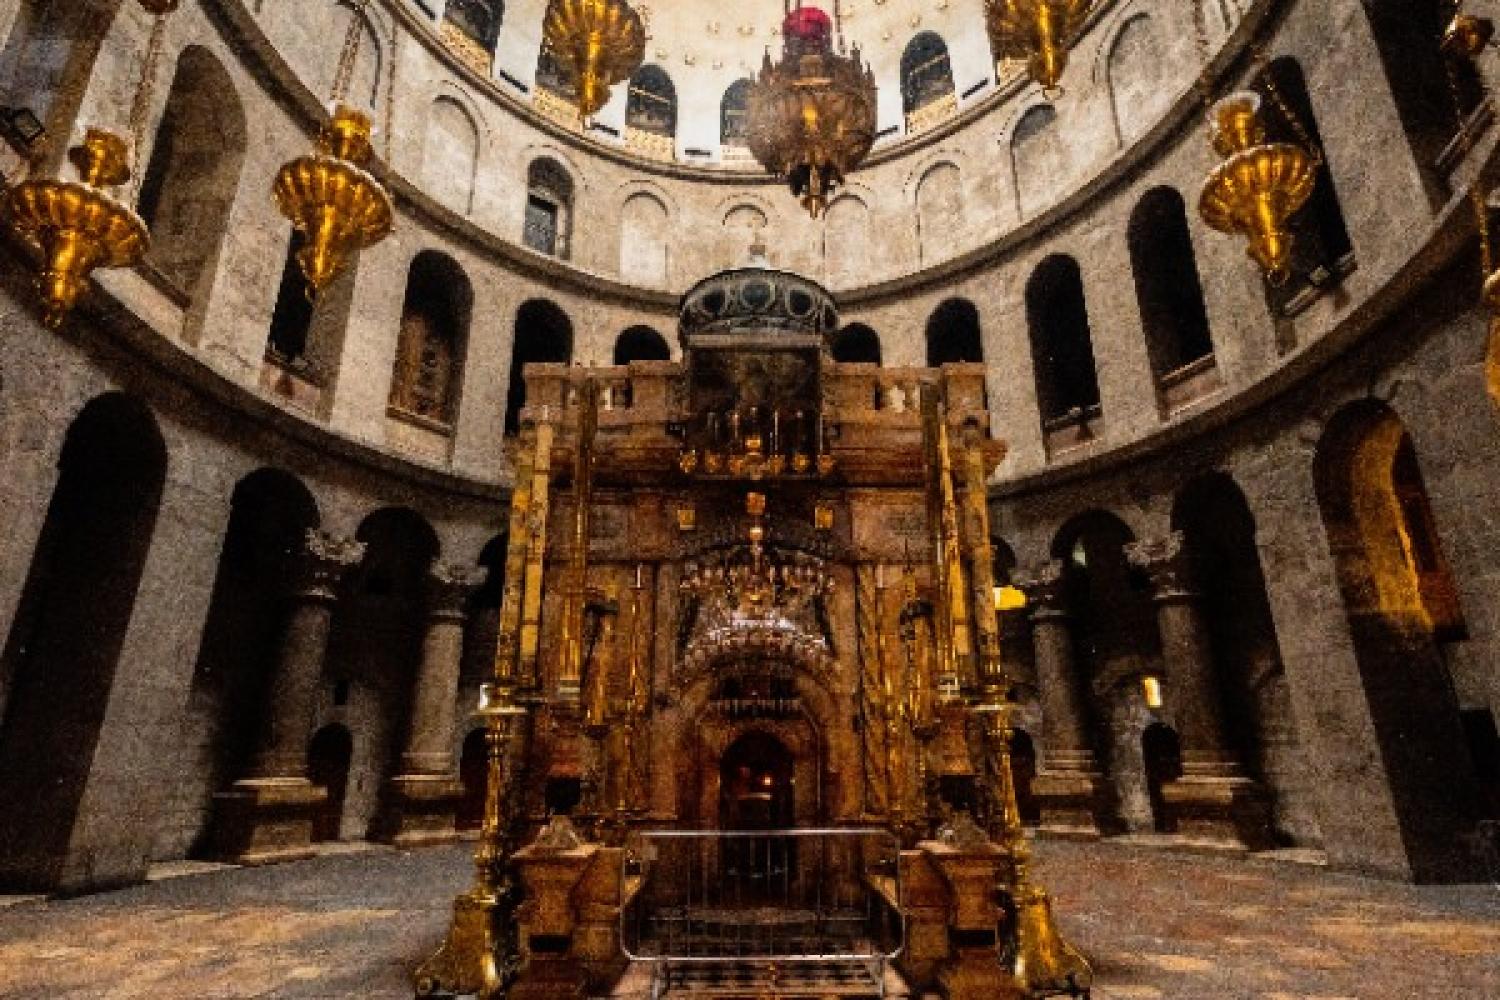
column 644, row 237
column 1168, row 288
column 62, row 654
column 543, row 335
column 271, row 511
column 641, row 343
column 940, row 211
column 450, row 153
column 305, row 341
column 1039, row 159
column 745, row 223
column 550, row 190
column 1140, row 77
column 1400, row 601
column 193, row 175
column 926, row 72
column 431, row 347
column 857, row 343
column 954, row 334
column 847, row 245
column 1219, row 534
column 1062, row 349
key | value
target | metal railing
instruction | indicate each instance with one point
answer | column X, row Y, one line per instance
column 769, row 900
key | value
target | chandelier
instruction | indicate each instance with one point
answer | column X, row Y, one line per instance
column 811, row 116
column 337, row 206
column 77, row 227
column 1258, row 186
column 1041, row 32
column 598, row 43
column 759, row 442
column 750, row 584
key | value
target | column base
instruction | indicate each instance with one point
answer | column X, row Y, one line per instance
column 421, row 810
column 1074, row 804
column 264, row 821
column 1228, row 812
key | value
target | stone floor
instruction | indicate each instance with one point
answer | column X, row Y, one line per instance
column 1158, row 926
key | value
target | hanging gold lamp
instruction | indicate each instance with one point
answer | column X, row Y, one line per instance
column 1259, row 185
column 1041, row 32
column 598, row 43
column 76, row 227
column 328, row 195
column 812, row 116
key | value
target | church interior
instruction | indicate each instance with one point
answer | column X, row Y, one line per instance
column 818, row 500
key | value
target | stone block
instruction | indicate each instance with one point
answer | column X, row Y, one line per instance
column 264, row 821
column 420, row 810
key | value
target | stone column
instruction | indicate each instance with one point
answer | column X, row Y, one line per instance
column 1213, row 800
column 268, row 815
column 1069, row 786
column 422, row 800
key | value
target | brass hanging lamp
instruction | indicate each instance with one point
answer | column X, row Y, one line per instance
column 1259, row 186
column 74, row 228
column 1040, row 32
column 329, row 197
column 812, row 116
column 598, row 43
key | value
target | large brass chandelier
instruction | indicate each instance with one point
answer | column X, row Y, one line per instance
column 811, row 116
column 598, row 43
column 1040, row 32
column 74, row 228
column 329, row 197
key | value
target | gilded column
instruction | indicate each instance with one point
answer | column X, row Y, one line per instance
column 268, row 815
column 1213, row 799
column 1069, row 787
column 423, row 797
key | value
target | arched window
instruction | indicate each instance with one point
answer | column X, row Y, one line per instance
column 549, row 208
column 306, row 338
column 940, row 212
column 543, row 335
column 1039, row 159
column 1434, row 93
column 1168, row 288
column 849, row 255
column 644, row 238
column 652, row 105
column 926, row 74
column 1140, row 78
column 64, row 650
column 641, row 343
column 474, row 21
column 553, row 77
column 953, row 334
column 450, row 155
column 857, row 343
column 434, row 334
column 734, row 114
column 1322, row 253
column 1062, row 348
column 45, row 66
column 194, row 172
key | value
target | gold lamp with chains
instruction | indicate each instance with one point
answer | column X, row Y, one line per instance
column 598, row 43
column 1039, row 32
column 76, row 227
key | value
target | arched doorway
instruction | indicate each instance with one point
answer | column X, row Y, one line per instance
column 65, row 641
column 328, row 757
column 473, row 772
column 1023, row 772
column 756, row 794
column 1162, row 753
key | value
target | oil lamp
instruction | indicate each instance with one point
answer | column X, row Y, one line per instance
column 1041, row 32
column 77, row 227
column 1258, row 186
column 598, row 43
column 811, row 116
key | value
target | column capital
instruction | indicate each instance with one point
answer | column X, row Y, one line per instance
column 1165, row 562
column 449, row 586
column 322, row 563
column 1045, row 587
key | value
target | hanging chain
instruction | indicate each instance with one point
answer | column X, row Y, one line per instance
column 1299, row 129
column 140, row 108
column 1205, row 84
column 390, row 97
column 350, row 53
column 1465, row 144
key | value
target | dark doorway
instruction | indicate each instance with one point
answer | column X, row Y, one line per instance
column 1023, row 770
column 1484, row 747
column 1162, row 753
column 328, row 758
column 64, row 646
column 473, row 772
column 756, row 794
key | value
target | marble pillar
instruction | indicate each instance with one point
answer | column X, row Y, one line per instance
column 1069, row 787
column 421, row 801
column 267, row 816
column 1214, row 800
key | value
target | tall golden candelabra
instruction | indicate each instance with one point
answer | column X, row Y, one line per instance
column 570, row 675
